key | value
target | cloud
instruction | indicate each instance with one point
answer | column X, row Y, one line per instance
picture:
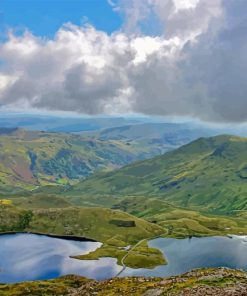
column 195, row 66
column 183, row 19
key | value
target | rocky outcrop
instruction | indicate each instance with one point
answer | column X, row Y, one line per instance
column 201, row 282
column 220, row 282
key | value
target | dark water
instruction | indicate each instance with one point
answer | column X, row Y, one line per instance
column 29, row 257
column 185, row 254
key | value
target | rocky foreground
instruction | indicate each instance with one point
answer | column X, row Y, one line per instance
column 218, row 282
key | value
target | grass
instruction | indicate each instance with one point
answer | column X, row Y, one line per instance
column 40, row 200
column 208, row 174
column 141, row 256
column 207, row 281
column 91, row 223
column 131, row 220
column 6, row 202
column 180, row 194
column 13, row 219
column 145, row 256
column 176, row 221
column 32, row 158
column 199, row 189
column 181, row 222
column 60, row 286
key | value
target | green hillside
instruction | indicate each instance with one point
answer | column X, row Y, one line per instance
column 115, row 229
column 30, row 158
column 99, row 224
column 182, row 222
column 209, row 173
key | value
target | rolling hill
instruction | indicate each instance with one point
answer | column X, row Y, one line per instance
column 172, row 134
column 165, row 136
column 30, row 158
column 114, row 229
column 63, row 124
column 209, row 173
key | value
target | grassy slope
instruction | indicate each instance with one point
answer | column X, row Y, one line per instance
column 199, row 282
column 60, row 286
column 207, row 173
column 40, row 200
column 182, row 222
column 114, row 229
column 30, row 158
column 181, row 175
column 94, row 223
column 176, row 221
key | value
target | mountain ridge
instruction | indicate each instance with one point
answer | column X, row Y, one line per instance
column 38, row 158
column 207, row 171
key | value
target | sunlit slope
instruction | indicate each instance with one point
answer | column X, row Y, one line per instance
column 115, row 229
column 95, row 223
column 209, row 173
column 31, row 158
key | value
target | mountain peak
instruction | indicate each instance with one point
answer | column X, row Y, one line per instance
column 208, row 171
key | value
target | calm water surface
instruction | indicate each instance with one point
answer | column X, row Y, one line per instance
column 185, row 254
column 30, row 257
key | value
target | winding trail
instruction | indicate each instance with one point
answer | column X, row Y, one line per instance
column 131, row 250
column 126, row 255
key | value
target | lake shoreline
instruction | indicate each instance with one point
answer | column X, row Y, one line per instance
column 65, row 237
column 182, row 255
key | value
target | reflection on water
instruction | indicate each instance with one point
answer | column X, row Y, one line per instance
column 29, row 257
column 185, row 254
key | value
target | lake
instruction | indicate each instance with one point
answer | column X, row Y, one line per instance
column 186, row 254
column 30, row 257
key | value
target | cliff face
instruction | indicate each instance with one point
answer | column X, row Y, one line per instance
column 220, row 282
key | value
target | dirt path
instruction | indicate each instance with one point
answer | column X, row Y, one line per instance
column 131, row 250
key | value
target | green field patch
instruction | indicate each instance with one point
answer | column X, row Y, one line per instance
column 141, row 256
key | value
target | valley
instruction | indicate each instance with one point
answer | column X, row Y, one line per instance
column 123, row 148
column 208, row 174
column 30, row 159
column 124, row 203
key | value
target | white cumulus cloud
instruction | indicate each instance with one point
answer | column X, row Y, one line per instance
column 195, row 66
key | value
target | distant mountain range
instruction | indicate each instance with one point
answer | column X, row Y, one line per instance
column 30, row 158
column 170, row 134
column 209, row 173
column 65, row 124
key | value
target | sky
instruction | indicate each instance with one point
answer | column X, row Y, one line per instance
column 181, row 58
column 44, row 17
